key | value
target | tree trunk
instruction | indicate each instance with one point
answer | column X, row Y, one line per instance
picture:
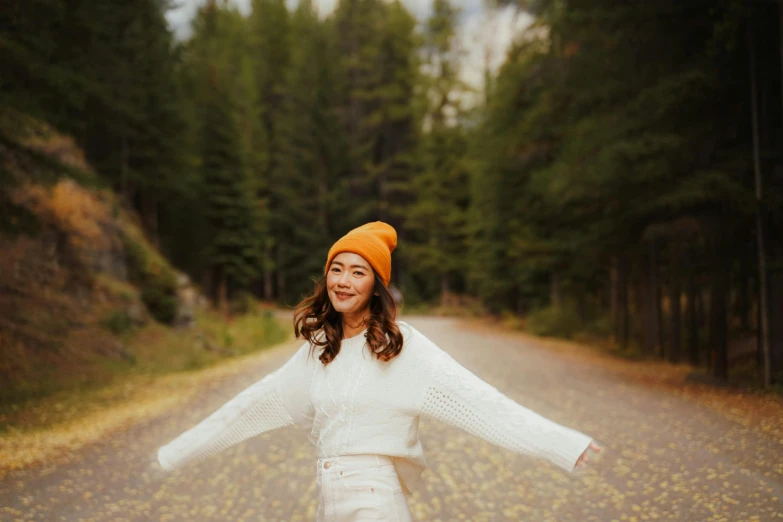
column 701, row 321
column 619, row 277
column 280, row 276
column 660, row 329
column 742, row 302
column 555, row 298
column 776, row 326
column 718, row 316
column 639, row 291
column 651, row 303
column 693, row 326
column 520, row 306
column 444, row 289
column 614, row 298
column 674, row 296
column 762, row 254
column 280, row 285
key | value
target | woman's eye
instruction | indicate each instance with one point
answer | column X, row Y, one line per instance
column 358, row 273
column 335, row 269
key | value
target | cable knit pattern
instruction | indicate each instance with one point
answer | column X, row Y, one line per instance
column 458, row 397
column 359, row 405
column 264, row 406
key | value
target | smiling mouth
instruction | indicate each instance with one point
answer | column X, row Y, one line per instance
column 341, row 294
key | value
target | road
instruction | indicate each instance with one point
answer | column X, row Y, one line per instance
column 664, row 458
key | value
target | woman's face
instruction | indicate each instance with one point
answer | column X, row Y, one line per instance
column 350, row 283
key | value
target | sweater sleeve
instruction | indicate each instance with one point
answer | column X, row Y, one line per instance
column 459, row 398
column 279, row 399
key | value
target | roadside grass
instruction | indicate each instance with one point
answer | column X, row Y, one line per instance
column 168, row 368
column 740, row 399
column 150, row 352
column 456, row 307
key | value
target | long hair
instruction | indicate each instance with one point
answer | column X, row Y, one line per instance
column 315, row 314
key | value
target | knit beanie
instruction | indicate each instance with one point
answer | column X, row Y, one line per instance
column 374, row 242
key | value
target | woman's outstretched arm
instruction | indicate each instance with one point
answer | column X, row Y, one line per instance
column 279, row 399
column 459, row 398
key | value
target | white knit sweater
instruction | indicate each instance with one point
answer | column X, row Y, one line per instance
column 357, row 404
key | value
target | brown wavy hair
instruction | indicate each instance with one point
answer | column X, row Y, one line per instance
column 316, row 315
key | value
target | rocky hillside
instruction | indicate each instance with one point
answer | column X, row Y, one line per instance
column 76, row 280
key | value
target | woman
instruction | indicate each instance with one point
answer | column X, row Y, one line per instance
column 359, row 383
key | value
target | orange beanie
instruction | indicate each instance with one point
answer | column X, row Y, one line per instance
column 374, row 242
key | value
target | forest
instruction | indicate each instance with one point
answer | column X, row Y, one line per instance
column 620, row 176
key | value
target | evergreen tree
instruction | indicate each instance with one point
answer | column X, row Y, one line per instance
column 378, row 71
column 591, row 167
column 311, row 160
column 233, row 245
column 610, row 175
column 270, row 48
column 436, row 218
column 234, row 250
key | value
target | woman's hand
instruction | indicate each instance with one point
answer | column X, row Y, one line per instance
column 582, row 460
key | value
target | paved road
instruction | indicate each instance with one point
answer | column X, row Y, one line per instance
column 665, row 458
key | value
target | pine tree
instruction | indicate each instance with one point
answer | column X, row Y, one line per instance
column 233, row 252
column 233, row 245
column 311, row 160
column 436, row 218
column 378, row 71
column 269, row 46
column 587, row 163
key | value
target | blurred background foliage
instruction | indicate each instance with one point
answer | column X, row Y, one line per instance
column 621, row 178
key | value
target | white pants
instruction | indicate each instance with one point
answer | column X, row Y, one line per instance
column 359, row 488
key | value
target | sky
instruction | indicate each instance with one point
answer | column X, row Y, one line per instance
column 484, row 33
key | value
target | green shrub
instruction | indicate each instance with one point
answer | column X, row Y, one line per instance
column 562, row 321
column 511, row 321
column 227, row 339
column 152, row 273
column 242, row 303
column 117, row 322
column 601, row 326
column 159, row 294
